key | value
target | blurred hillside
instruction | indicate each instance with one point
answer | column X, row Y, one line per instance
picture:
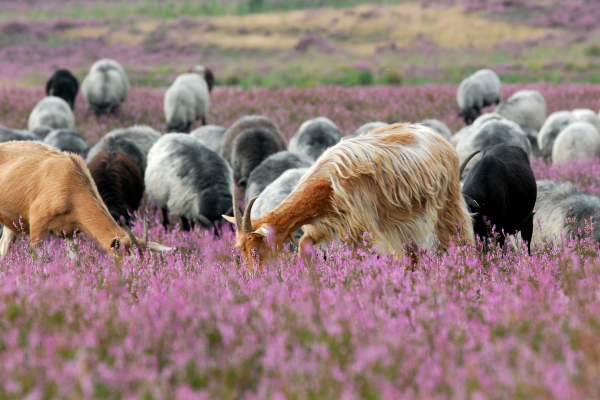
column 303, row 42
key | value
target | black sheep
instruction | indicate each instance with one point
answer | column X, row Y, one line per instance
column 119, row 183
column 64, row 85
column 501, row 191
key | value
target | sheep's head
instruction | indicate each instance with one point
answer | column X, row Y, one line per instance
column 129, row 240
column 252, row 243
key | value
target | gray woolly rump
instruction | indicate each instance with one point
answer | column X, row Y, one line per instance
column 276, row 192
column 271, row 168
column 247, row 122
column 439, row 127
column 188, row 179
column 53, row 112
column 134, row 141
column 314, row 137
column 557, row 201
column 67, row 140
column 106, row 86
column 524, row 107
column 555, row 123
column 211, row 136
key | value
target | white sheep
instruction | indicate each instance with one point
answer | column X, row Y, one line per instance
column 211, row 136
column 187, row 99
column 106, row 86
column 585, row 114
column 467, row 130
column 479, row 90
column 524, row 107
column 578, row 140
column 556, row 122
column 53, row 112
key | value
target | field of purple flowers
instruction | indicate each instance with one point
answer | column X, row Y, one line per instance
column 194, row 324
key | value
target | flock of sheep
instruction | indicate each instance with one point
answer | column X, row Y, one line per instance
column 321, row 186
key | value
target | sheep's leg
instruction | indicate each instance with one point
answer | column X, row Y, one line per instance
column 203, row 121
column 527, row 232
column 165, row 218
column 8, row 238
column 185, row 224
column 193, row 224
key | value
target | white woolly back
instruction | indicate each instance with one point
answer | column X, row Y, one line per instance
column 53, row 112
column 399, row 183
column 187, row 98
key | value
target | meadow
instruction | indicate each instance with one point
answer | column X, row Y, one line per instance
column 196, row 324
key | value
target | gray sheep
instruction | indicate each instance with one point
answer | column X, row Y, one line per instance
column 211, row 136
column 557, row 201
column 524, row 107
column 314, row 137
column 105, row 87
column 67, row 140
column 53, row 112
column 187, row 179
column 479, row 90
column 248, row 142
column 363, row 129
column 187, row 99
column 467, row 130
column 577, row 141
column 8, row 135
column 276, row 192
column 556, row 122
column 439, row 127
column 134, row 141
column 271, row 168
column 489, row 134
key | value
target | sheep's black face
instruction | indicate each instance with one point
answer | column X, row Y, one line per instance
column 469, row 116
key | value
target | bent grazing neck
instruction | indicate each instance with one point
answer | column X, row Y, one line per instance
column 93, row 220
column 308, row 202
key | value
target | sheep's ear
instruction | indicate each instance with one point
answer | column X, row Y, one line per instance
column 228, row 218
column 262, row 232
column 157, row 248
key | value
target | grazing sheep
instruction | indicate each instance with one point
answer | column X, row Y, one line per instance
column 105, row 87
column 211, row 136
column 64, row 85
column 479, row 90
column 8, row 135
column 314, row 137
column 467, row 130
column 271, row 168
column 67, row 140
column 361, row 185
column 524, row 107
column 556, row 122
column 187, row 179
column 276, row 192
column 577, row 141
column 500, row 191
column 46, row 191
column 363, row 129
column 557, row 201
column 187, row 99
column 439, row 127
column 119, row 182
column 491, row 133
column 248, row 142
column 134, row 141
column 53, row 112
column 532, row 136
column 587, row 115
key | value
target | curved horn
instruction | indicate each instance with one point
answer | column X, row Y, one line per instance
column 247, row 224
column 132, row 237
column 464, row 163
column 236, row 212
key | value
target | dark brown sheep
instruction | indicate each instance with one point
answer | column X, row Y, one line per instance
column 119, row 182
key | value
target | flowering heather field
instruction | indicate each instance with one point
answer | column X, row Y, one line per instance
column 194, row 324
